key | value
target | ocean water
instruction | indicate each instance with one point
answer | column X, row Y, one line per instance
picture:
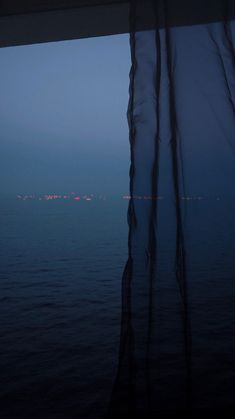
column 60, row 306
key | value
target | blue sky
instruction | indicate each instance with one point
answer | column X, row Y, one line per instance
column 63, row 116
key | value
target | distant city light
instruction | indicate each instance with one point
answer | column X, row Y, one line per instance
column 73, row 196
column 56, row 197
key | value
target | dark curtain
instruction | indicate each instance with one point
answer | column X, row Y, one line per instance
column 177, row 345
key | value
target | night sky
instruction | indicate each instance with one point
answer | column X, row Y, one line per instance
column 63, row 116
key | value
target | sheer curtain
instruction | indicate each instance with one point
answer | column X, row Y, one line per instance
column 177, row 340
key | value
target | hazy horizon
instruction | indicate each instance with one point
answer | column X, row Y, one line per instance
column 63, row 117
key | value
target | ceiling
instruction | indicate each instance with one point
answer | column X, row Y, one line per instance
column 35, row 21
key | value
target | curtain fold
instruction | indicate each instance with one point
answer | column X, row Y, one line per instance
column 178, row 316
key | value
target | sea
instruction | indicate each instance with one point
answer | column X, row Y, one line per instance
column 60, row 305
column 62, row 263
